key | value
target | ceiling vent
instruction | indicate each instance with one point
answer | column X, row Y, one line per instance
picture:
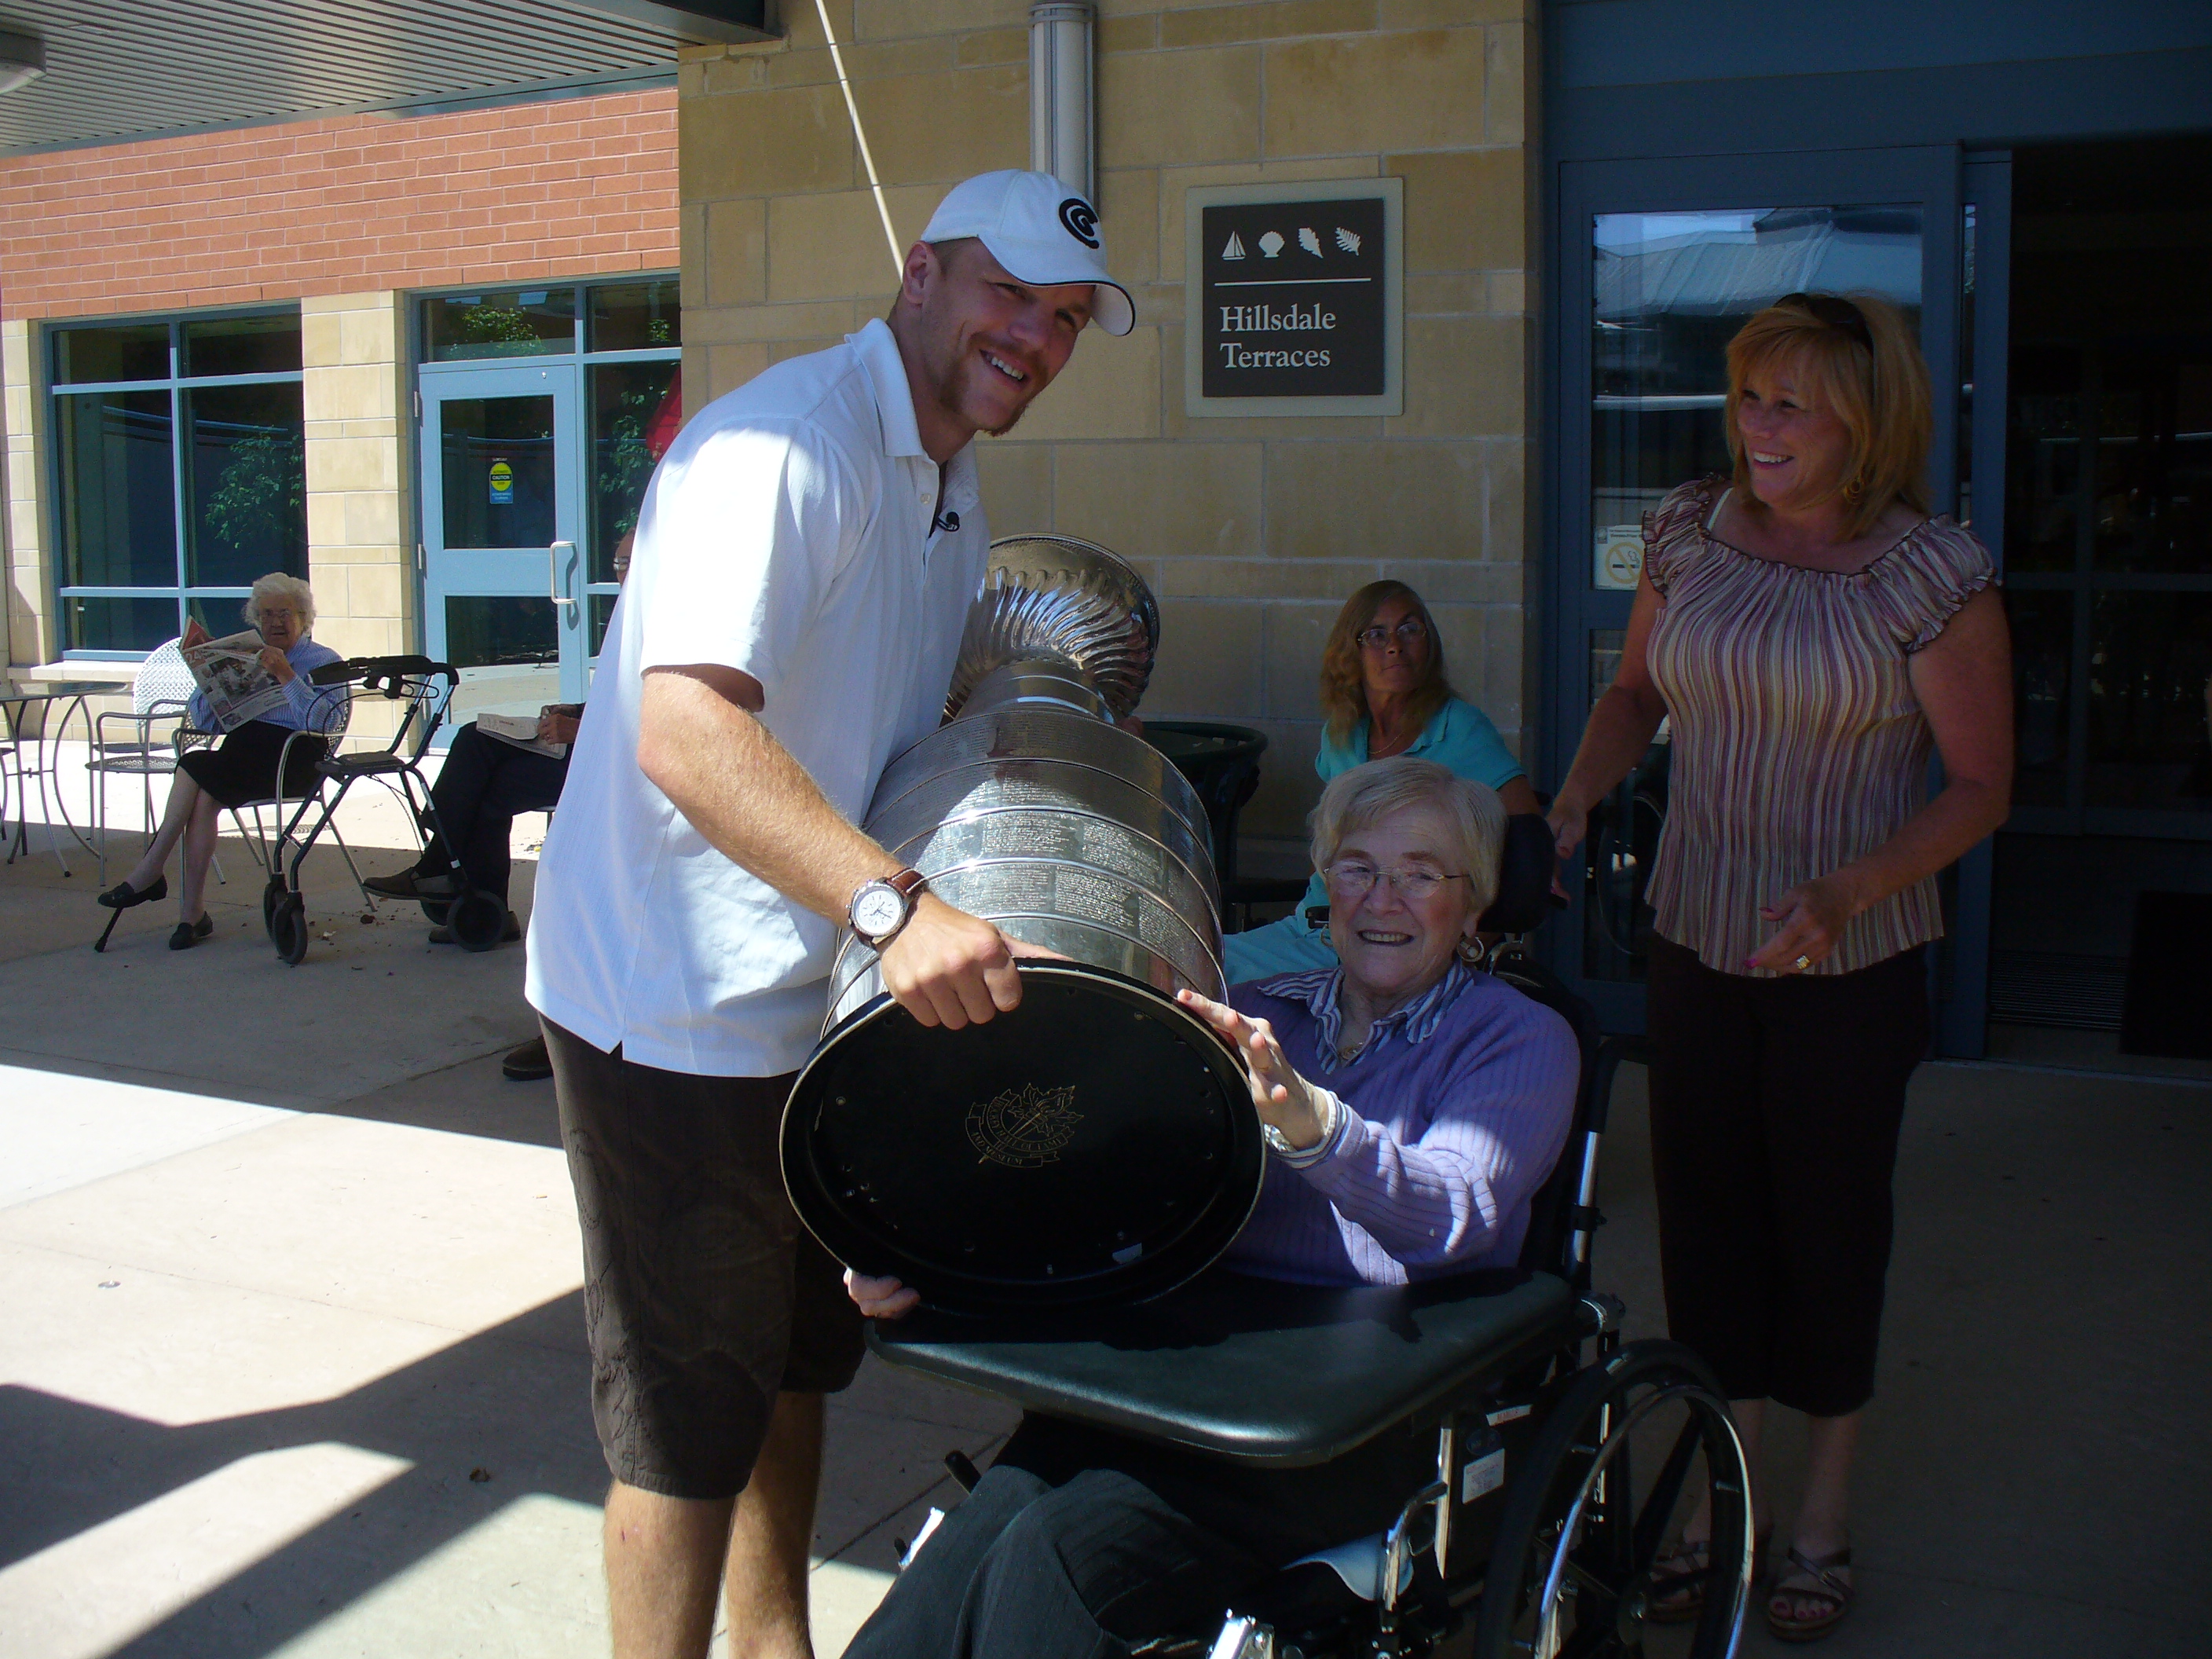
column 23, row 60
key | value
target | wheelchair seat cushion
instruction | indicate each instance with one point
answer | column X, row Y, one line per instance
column 1247, row 1369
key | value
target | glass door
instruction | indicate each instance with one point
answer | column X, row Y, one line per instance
column 544, row 413
column 1662, row 262
column 503, row 574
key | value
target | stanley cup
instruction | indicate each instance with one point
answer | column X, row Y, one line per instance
column 1098, row 1141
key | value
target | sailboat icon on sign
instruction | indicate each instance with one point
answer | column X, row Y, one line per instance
column 1236, row 248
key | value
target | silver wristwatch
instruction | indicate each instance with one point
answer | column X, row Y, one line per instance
column 882, row 905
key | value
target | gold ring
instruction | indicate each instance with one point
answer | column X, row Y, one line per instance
column 1802, row 964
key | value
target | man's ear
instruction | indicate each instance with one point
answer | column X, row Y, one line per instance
column 922, row 268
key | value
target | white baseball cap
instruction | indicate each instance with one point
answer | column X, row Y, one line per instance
column 1040, row 231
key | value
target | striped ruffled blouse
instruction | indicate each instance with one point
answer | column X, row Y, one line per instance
column 1798, row 744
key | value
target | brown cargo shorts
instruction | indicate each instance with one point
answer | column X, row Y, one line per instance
column 704, row 1298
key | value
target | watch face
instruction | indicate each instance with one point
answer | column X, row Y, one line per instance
column 878, row 910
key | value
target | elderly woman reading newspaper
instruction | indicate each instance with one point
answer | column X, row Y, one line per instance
column 242, row 768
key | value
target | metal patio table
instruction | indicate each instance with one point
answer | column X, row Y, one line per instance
column 38, row 755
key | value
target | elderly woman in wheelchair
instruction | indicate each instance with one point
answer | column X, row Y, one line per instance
column 1349, row 1389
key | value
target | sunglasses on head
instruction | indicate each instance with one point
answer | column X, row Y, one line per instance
column 1834, row 311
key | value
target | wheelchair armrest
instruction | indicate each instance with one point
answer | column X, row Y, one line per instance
column 1250, row 1370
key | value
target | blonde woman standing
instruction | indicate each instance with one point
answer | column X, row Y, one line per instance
column 1812, row 635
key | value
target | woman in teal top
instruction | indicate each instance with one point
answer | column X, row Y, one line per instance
column 1385, row 692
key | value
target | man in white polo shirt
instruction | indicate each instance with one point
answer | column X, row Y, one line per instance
column 804, row 559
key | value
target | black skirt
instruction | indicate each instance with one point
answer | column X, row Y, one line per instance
column 242, row 768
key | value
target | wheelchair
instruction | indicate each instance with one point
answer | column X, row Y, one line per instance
column 1564, row 1459
column 477, row 918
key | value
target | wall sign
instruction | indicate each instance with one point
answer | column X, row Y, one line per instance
column 1294, row 299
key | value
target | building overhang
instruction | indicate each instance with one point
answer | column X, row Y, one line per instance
column 101, row 71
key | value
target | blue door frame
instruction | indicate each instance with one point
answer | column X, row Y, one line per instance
column 1934, row 179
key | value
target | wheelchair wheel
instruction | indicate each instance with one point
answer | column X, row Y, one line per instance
column 478, row 919
column 272, row 895
column 287, row 928
column 1626, row 1451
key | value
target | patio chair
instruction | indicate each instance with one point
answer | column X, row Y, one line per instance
column 162, row 694
column 477, row 918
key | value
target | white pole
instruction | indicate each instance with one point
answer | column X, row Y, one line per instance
column 1062, row 130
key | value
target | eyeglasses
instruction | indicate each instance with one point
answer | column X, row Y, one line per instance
column 1350, row 879
column 276, row 616
column 1375, row 639
column 1836, row 312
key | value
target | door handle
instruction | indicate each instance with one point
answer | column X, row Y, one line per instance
column 553, row 570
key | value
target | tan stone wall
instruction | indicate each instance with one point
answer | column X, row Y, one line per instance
column 354, row 399
column 1252, row 530
column 31, row 629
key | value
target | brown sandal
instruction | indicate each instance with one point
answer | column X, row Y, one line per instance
column 1825, row 1587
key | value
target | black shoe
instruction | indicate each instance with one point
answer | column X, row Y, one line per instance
column 527, row 1062
column 507, row 934
column 412, row 885
column 122, row 897
column 189, row 933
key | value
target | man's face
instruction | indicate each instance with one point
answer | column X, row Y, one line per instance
column 989, row 342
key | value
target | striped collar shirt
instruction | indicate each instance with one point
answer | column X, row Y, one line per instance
column 1321, row 990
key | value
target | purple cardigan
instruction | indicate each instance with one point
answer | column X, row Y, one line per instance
column 1456, row 1110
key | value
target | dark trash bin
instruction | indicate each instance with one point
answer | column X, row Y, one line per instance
column 1222, row 764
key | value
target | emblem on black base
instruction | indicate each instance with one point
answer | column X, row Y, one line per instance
column 1025, row 1128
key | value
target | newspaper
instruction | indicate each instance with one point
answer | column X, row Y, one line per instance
column 521, row 730
column 230, row 676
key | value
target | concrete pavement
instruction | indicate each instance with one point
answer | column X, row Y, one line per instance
column 292, row 1357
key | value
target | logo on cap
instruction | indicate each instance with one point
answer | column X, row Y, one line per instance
column 1081, row 221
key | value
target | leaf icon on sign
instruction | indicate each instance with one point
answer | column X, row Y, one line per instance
column 1271, row 243
column 1346, row 240
column 1309, row 241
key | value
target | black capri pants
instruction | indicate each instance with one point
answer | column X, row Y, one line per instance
column 1776, row 1105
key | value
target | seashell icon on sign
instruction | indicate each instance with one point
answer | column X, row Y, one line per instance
column 1271, row 243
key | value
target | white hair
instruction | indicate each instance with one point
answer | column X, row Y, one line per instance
column 278, row 585
column 1473, row 816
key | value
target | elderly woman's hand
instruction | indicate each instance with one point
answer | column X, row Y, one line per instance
column 278, row 664
column 880, row 1298
column 1284, row 1099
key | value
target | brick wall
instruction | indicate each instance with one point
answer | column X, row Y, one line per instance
column 574, row 187
column 1252, row 530
column 345, row 216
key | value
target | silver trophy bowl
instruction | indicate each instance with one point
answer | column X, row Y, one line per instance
column 1099, row 1140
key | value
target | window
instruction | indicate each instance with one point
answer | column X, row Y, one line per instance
column 179, row 473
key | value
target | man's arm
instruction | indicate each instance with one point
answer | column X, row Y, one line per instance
column 699, row 743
